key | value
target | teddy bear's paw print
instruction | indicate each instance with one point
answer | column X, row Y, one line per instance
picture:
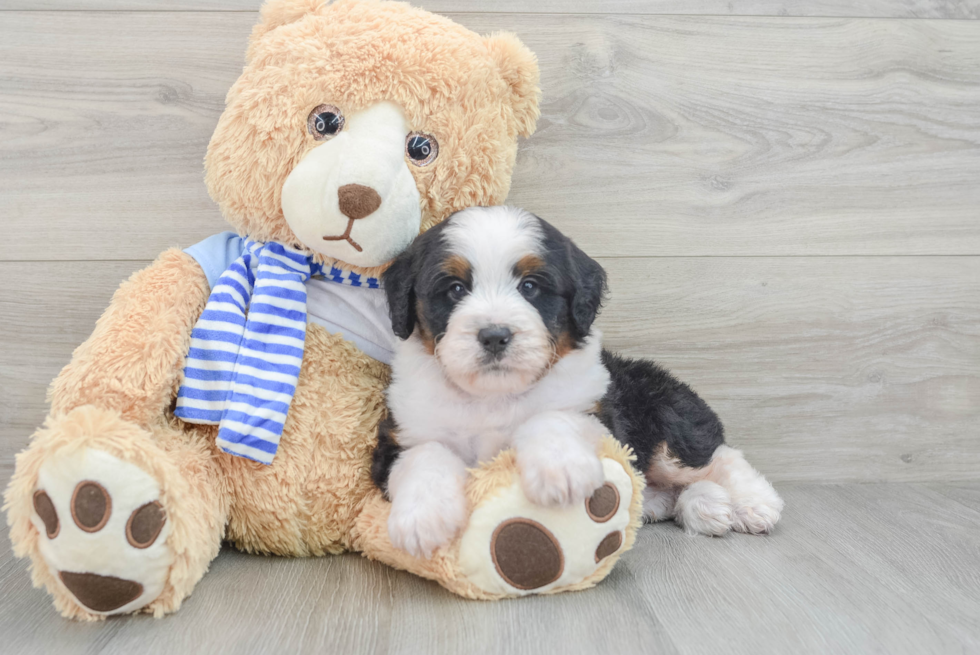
column 515, row 547
column 102, row 530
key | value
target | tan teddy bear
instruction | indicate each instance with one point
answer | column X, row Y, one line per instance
column 353, row 127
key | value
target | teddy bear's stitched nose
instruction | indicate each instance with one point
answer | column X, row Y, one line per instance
column 357, row 200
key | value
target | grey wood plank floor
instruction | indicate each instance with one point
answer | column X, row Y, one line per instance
column 715, row 136
column 954, row 9
column 853, row 568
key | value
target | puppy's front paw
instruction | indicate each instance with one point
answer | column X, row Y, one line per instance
column 419, row 527
column 560, row 477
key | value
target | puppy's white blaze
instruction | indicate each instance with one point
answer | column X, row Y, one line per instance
column 493, row 240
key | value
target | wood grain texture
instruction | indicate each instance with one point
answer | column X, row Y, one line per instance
column 964, row 493
column 850, row 569
column 660, row 136
column 961, row 9
column 43, row 322
column 823, row 369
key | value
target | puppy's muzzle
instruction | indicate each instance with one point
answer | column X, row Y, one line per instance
column 494, row 339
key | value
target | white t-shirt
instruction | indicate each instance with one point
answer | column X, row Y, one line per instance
column 359, row 314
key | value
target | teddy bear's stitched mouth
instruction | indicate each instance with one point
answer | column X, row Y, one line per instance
column 346, row 237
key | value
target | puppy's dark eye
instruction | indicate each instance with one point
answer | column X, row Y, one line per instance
column 421, row 149
column 457, row 291
column 324, row 122
column 528, row 288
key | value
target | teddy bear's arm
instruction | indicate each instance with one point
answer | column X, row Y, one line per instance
column 132, row 361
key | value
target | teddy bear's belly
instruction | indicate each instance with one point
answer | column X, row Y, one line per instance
column 306, row 501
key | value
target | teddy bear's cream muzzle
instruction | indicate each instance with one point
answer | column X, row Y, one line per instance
column 353, row 198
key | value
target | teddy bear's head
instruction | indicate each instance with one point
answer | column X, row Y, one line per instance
column 357, row 124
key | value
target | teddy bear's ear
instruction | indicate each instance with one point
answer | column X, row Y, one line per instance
column 519, row 67
column 276, row 13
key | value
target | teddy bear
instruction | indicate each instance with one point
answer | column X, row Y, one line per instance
column 233, row 391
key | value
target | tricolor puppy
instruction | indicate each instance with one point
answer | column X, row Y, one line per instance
column 495, row 307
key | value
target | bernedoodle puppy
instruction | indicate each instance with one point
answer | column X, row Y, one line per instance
column 495, row 309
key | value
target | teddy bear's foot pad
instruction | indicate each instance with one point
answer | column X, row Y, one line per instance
column 514, row 547
column 526, row 554
column 103, row 530
column 101, row 593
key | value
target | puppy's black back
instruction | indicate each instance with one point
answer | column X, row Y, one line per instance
column 646, row 406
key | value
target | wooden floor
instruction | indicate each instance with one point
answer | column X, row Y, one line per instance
column 786, row 194
column 873, row 568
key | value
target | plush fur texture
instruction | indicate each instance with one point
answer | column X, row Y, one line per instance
column 476, row 95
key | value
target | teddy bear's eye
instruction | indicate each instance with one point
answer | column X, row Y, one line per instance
column 422, row 149
column 324, row 122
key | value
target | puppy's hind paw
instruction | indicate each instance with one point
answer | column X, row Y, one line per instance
column 757, row 514
column 704, row 508
column 658, row 504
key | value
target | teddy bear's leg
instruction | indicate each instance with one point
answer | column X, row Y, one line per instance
column 115, row 518
column 513, row 547
column 118, row 507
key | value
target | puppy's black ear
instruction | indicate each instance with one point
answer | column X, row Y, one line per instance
column 399, row 282
column 590, row 289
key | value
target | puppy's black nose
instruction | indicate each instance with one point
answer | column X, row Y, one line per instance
column 494, row 338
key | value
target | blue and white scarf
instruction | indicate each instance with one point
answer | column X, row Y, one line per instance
column 247, row 348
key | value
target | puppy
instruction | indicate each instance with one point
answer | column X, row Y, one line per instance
column 495, row 309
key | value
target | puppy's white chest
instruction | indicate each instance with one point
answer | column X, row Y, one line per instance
column 477, row 433
column 485, row 446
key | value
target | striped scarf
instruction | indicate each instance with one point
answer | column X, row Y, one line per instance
column 247, row 348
